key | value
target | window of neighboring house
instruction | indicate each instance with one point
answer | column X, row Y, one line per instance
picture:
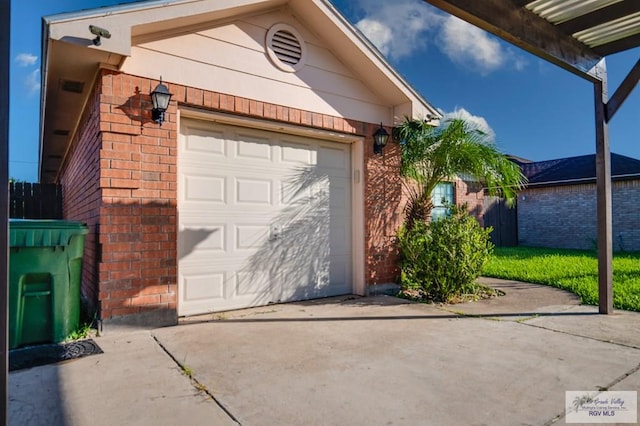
column 441, row 196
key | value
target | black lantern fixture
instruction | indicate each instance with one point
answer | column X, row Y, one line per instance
column 160, row 98
column 380, row 138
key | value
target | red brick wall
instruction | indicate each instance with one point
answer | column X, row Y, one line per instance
column 471, row 193
column 81, row 192
column 121, row 178
column 138, row 269
column 383, row 211
column 565, row 216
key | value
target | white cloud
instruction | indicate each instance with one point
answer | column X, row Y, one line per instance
column 519, row 62
column 32, row 82
column 26, row 59
column 476, row 121
column 378, row 33
column 464, row 43
column 403, row 35
column 414, row 26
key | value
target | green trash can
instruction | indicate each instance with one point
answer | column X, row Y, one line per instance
column 45, row 270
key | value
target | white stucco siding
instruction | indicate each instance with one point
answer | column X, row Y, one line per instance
column 231, row 58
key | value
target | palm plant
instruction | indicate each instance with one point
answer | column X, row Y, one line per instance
column 456, row 147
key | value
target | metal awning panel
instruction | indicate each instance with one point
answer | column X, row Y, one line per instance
column 559, row 11
column 611, row 31
column 607, row 26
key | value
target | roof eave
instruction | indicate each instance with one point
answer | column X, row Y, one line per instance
column 419, row 103
column 68, row 35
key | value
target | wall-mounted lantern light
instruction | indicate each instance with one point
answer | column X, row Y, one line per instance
column 160, row 98
column 380, row 138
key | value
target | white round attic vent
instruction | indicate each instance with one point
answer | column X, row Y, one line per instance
column 286, row 48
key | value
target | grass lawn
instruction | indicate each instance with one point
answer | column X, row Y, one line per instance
column 572, row 270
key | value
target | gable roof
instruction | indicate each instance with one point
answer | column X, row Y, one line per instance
column 576, row 170
column 70, row 56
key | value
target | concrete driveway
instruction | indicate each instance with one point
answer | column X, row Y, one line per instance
column 383, row 361
column 345, row 361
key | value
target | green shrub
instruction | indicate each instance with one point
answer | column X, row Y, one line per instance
column 441, row 260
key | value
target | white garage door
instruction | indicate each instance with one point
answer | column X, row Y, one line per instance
column 263, row 217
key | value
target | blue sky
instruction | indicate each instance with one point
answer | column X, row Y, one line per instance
column 536, row 110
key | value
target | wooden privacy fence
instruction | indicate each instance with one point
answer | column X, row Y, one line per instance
column 35, row 200
column 504, row 221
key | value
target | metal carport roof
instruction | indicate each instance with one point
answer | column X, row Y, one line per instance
column 576, row 35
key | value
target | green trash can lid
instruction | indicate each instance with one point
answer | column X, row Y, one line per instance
column 46, row 224
column 43, row 232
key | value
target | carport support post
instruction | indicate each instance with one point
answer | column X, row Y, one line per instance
column 603, row 184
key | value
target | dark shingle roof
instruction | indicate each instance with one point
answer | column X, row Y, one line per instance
column 518, row 160
column 582, row 169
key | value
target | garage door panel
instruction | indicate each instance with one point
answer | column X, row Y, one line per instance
column 339, row 196
column 339, row 271
column 251, row 283
column 204, row 287
column 282, row 229
column 253, row 191
column 339, row 240
column 204, row 188
column 290, row 192
column 324, row 278
column 253, row 148
column 306, row 282
column 203, row 240
column 251, row 236
column 334, row 160
column 305, row 186
column 201, row 142
column 296, row 153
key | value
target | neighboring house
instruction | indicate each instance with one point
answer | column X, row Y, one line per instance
column 558, row 207
column 261, row 185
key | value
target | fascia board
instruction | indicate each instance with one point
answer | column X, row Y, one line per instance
column 376, row 59
column 121, row 21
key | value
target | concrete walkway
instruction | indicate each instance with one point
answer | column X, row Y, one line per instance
column 346, row 361
column 134, row 382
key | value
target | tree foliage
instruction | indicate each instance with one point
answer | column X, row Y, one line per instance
column 456, row 147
